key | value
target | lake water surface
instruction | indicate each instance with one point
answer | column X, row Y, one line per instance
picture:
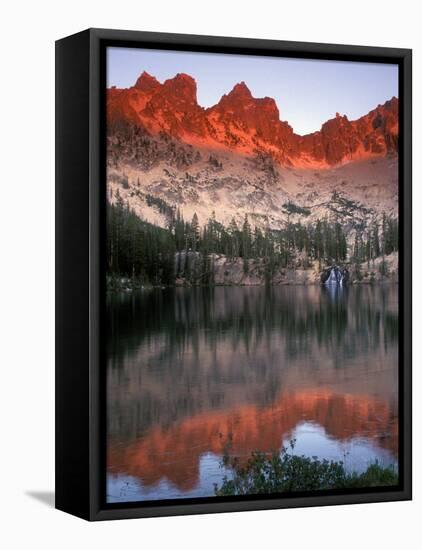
column 193, row 373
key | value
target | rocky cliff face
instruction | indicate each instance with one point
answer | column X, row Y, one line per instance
column 166, row 152
column 244, row 124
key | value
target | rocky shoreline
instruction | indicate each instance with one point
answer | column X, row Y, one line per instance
column 234, row 272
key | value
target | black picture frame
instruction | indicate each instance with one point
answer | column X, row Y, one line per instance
column 80, row 270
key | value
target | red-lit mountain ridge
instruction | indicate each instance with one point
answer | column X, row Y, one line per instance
column 244, row 124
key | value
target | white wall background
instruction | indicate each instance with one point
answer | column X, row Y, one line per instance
column 27, row 36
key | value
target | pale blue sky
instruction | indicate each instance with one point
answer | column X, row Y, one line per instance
column 307, row 92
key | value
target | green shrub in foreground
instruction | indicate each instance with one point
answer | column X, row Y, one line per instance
column 286, row 472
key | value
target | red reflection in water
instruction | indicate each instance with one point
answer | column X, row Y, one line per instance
column 174, row 453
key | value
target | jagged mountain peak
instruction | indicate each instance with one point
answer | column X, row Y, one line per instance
column 240, row 90
column 147, row 83
column 182, row 86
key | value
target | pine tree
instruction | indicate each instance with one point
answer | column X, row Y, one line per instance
column 195, row 232
column 318, row 242
column 234, row 238
column 384, row 234
column 246, row 238
column 375, row 240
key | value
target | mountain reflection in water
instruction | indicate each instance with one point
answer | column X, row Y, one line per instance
column 193, row 372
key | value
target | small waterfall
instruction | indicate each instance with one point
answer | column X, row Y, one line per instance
column 336, row 277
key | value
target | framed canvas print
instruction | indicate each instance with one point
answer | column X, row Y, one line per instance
column 233, row 274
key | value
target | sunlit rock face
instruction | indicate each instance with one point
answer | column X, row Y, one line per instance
column 239, row 157
column 242, row 123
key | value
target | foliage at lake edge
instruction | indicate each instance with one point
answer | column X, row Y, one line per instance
column 285, row 472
